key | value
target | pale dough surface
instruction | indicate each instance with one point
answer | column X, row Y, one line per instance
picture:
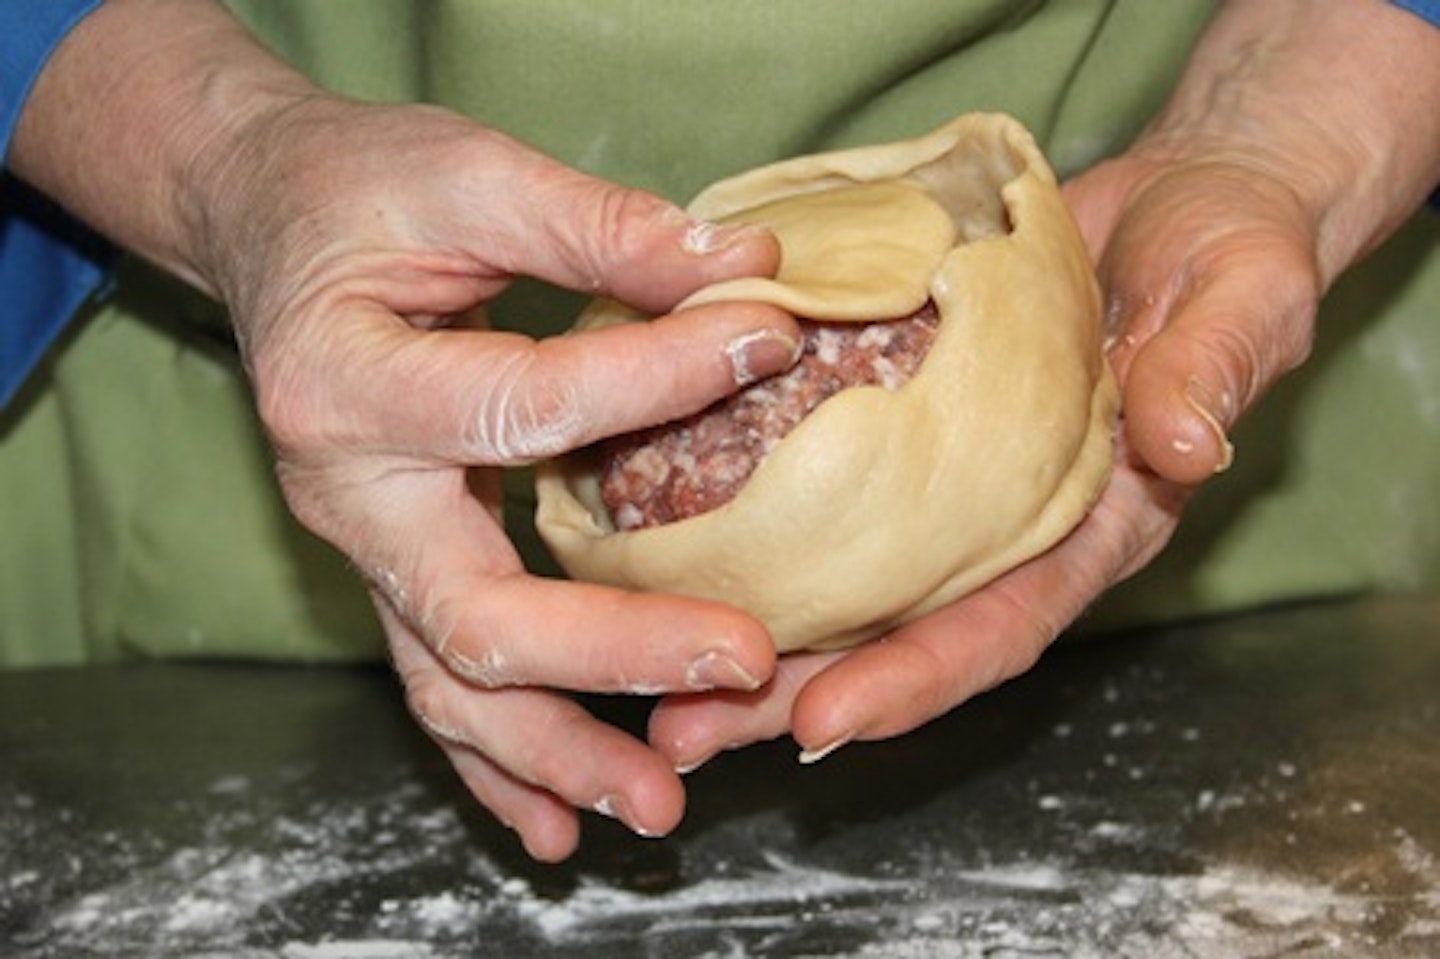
column 884, row 505
column 859, row 252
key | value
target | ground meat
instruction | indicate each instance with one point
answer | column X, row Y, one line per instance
column 695, row 465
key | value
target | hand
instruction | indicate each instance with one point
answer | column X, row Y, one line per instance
column 1300, row 136
column 354, row 246
column 1211, row 291
column 364, row 232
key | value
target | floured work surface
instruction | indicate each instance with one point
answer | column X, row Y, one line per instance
column 1262, row 786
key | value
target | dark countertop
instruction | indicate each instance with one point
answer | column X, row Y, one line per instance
column 1267, row 785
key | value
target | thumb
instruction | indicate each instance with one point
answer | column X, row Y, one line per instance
column 595, row 236
column 1213, row 351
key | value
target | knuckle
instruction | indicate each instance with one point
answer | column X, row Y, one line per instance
column 427, row 698
column 1295, row 327
column 1278, row 333
column 1247, row 361
column 488, row 667
column 526, row 413
column 1234, row 358
column 434, row 614
column 1035, row 623
column 554, row 768
column 617, row 231
column 437, row 618
column 939, row 692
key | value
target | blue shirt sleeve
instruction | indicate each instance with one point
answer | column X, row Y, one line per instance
column 1429, row 9
column 49, row 264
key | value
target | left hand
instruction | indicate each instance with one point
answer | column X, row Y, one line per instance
column 1191, row 355
column 1299, row 137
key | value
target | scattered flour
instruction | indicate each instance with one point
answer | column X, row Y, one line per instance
column 211, row 900
column 773, row 896
column 357, row 949
column 231, row 898
column 400, row 874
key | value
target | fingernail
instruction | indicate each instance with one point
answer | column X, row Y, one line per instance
column 754, row 356
column 703, row 237
column 715, row 670
column 810, row 757
column 686, row 768
column 615, row 807
column 1214, row 410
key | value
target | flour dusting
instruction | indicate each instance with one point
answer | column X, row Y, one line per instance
column 1106, row 832
column 224, row 897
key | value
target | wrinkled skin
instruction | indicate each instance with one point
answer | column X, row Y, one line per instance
column 389, row 437
column 354, row 272
column 1215, row 237
column 1163, row 335
column 355, row 247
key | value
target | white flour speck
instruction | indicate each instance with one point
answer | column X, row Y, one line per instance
column 935, row 902
column 356, row 949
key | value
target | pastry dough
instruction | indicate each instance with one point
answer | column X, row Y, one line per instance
column 884, row 505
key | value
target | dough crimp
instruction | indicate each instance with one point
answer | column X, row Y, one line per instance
column 883, row 505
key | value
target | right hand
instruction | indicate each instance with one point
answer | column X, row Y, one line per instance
column 351, row 238
column 346, row 240
column 1300, row 136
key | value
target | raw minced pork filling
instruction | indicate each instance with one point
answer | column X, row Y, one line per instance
column 698, row 464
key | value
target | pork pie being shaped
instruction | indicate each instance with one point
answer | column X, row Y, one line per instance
column 888, row 501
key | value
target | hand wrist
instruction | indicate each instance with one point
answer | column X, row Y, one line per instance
column 223, row 178
column 1337, row 102
column 130, row 124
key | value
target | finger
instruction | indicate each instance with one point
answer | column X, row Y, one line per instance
column 689, row 730
column 486, row 398
column 1221, row 347
column 559, row 394
column 1212, row 296
column 455, row 579
column 929, row 667
column 548, row 827
column 546, row 824
column 535, row 748
column 524, row 630
column 596, row 236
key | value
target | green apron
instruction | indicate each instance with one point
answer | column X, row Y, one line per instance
column 137, row 507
